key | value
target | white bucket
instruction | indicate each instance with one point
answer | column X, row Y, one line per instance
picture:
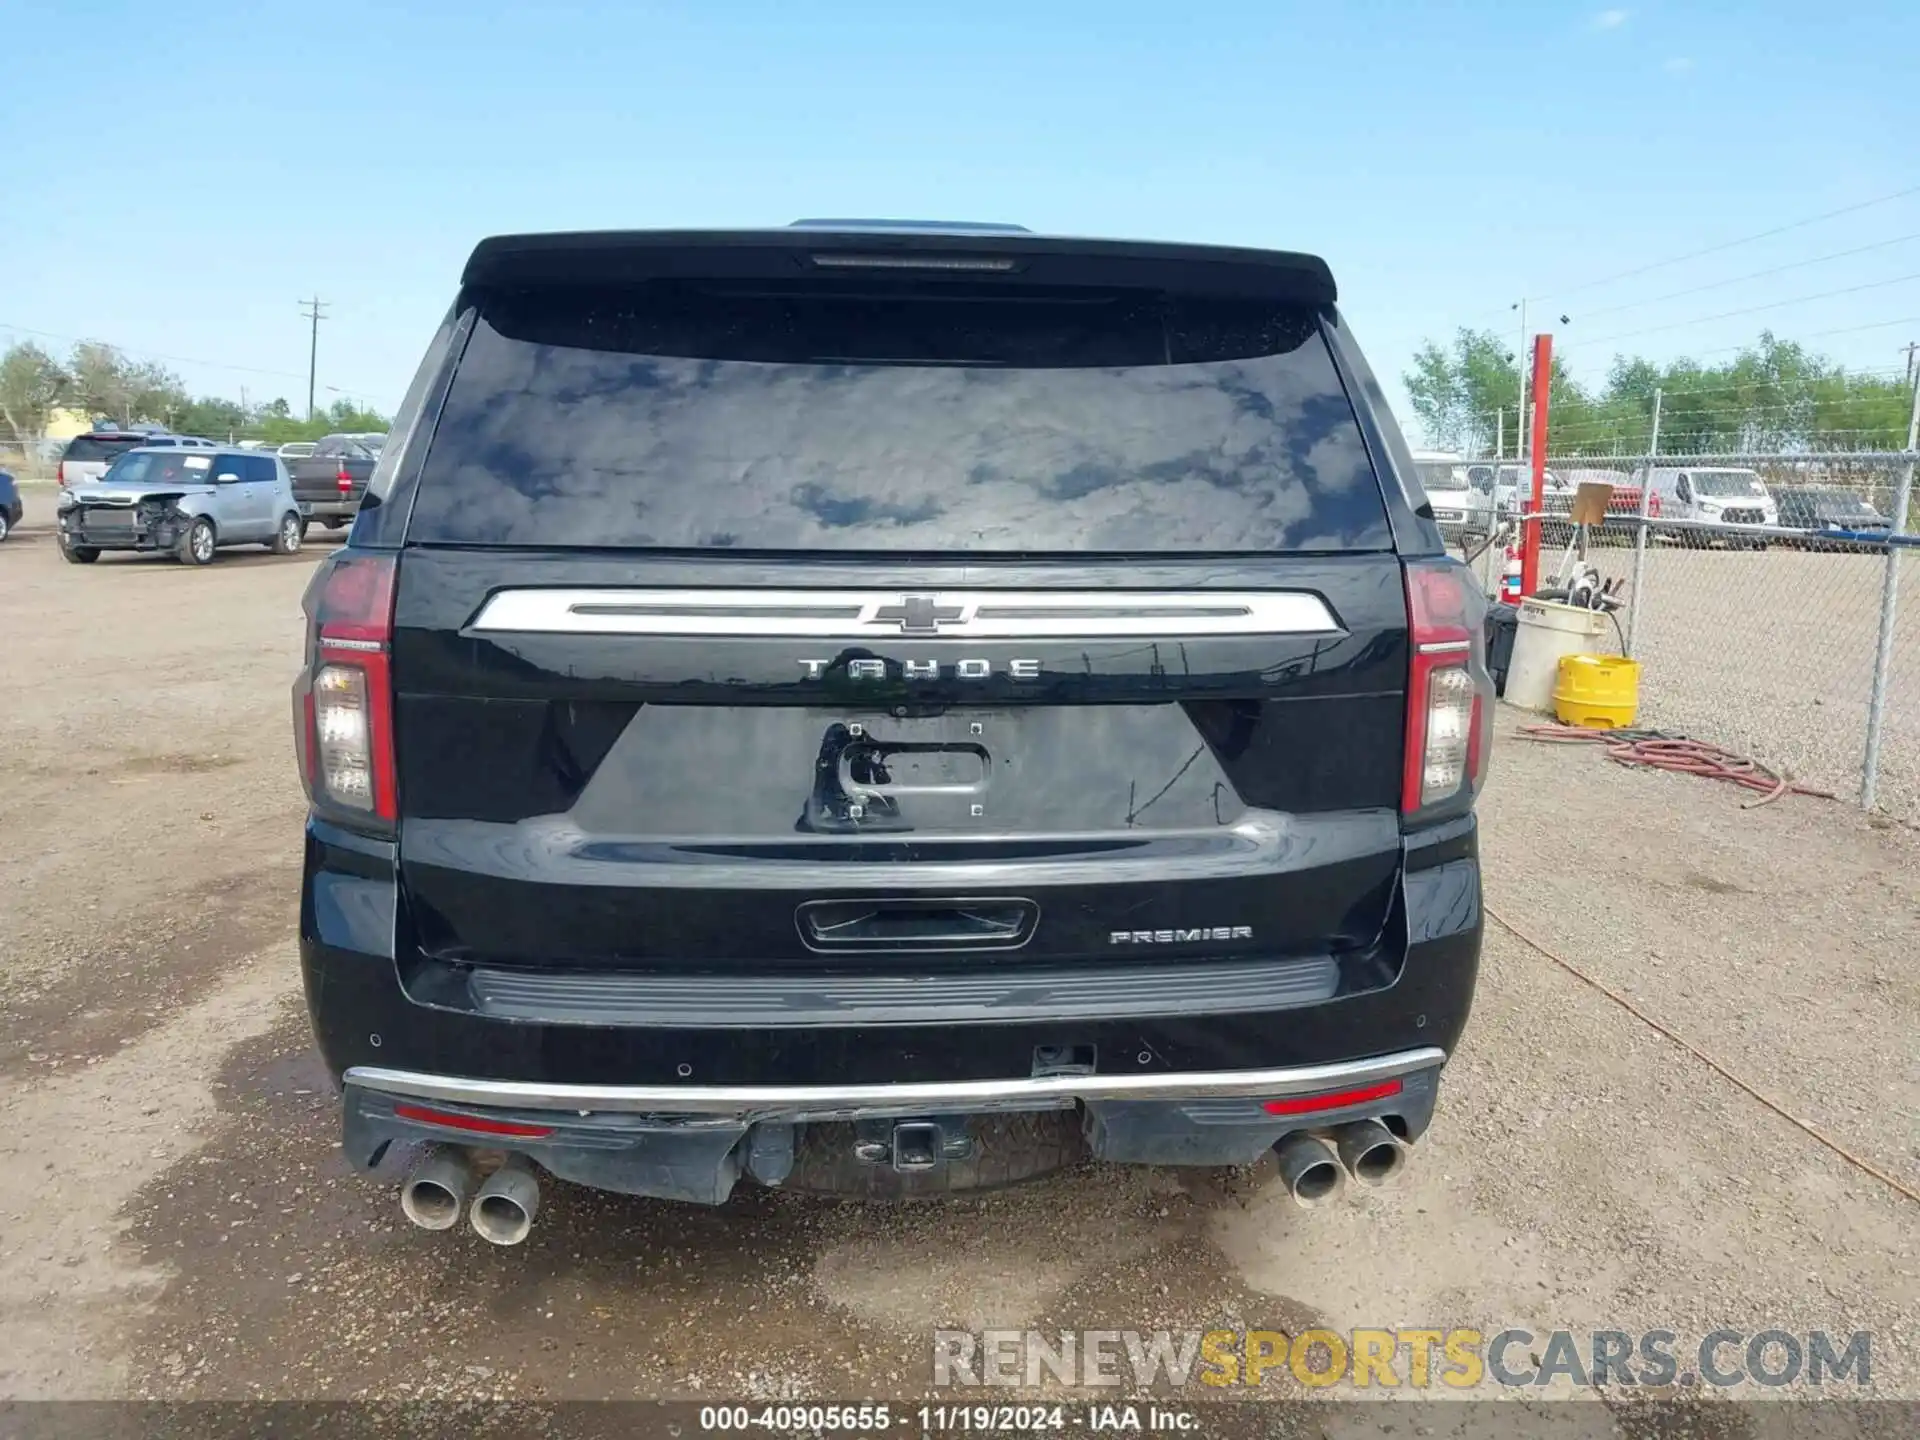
column 1547, row 630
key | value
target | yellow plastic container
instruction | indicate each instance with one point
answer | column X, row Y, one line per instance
column 1599, row 692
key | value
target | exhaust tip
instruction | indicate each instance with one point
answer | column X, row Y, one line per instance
column 1309, row 1170
column 436, row 1189
column 1371, row 1153
column 504, row 1210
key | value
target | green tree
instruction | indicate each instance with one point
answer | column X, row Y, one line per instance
column 1774, row 395
column 213, row 417
column 100, row 382
column 109, row 386
column 1458, row 389
column 1467, row 393
column 32, row 383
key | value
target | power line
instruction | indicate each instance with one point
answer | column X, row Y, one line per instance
column 151, row 354
column 1756, row 275
column 1840, row 330
column 1731, row 244
column 1679, row 385
column 139, row 354
column 1745, row 310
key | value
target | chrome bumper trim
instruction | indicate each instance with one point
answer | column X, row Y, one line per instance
column 959, row 1096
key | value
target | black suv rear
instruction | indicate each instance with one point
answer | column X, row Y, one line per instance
column 880, row 710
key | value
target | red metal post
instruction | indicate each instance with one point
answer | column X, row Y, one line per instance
column 1530, row 541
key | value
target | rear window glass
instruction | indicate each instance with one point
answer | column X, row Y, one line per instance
column 1439, row 475
column 159, row 467
column 101, row 447
column 971, row 419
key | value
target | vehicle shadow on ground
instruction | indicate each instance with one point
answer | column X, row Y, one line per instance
column 294, row 1277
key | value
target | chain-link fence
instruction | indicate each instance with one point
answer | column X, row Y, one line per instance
column 39, row 460
column 1771, row 604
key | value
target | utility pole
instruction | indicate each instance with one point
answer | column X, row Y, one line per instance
column 1911, row 350
column 314, row 310
column 1520, row 432
column 1889, row 600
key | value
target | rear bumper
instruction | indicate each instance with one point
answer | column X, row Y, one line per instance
column 680, row 1104
column 331, row 507
column 747, row 1103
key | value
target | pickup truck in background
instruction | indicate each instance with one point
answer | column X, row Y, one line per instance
column 330, row 483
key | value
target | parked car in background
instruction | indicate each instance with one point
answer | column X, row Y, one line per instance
column 183, row 499
column 1444, row 478
column 1717, row 494
column 1623, row 504
column 1832, row 512
column 87, row 456
column 330, row 483
column 11, row 506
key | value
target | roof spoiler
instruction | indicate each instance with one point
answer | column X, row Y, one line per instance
column 952, row 253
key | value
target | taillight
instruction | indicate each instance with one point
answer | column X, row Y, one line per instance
column 343, row 480
column 1449, row 694
column 1653, row 503
column 346, row 692
column 60, row 473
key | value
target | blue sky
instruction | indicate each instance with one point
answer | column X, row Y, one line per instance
column 175, row 178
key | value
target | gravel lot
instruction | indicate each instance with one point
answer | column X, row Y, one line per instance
column 1771, row 653
column 177, row 1222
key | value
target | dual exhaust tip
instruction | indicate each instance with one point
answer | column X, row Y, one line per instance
column 441, row 1187
column 1314, row 1171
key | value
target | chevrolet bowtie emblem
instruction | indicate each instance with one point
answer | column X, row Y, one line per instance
column 917, row 614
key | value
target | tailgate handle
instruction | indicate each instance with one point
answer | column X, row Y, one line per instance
column 997, row 923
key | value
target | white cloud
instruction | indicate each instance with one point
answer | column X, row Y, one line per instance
column 1678, row 65
column 1611, row 19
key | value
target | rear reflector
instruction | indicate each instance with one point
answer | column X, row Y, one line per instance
column 479, row 1125
column 1334, row 1100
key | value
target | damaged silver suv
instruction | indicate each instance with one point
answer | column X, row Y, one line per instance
column 189, row 502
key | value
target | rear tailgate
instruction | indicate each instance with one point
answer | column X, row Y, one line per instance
column 329, row 477
column 88, row 457
column 809, row 624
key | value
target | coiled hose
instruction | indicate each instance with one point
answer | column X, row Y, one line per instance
column 1663, row 751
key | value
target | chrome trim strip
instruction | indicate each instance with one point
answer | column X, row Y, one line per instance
column 1445, row 647
column 870, row 615
column 934, row 1096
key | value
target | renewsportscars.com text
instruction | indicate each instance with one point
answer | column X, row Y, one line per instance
column 1407, row 1358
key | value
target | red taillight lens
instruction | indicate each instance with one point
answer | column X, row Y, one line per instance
column 1332, row 1100
column 60, row 473
column 1653, row 503
column 344, row 481
column 1449, row 695
column 480, row 1125
column 346, row 695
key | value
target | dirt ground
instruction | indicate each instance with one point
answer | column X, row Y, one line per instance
column 175, row 1220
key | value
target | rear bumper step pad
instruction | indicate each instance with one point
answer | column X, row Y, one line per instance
column 1002, row 994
